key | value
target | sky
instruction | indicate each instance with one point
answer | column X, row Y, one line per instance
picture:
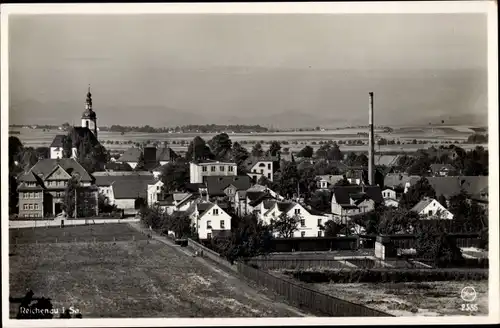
column 281, row 70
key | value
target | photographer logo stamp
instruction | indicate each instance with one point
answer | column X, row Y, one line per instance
column 468, row 294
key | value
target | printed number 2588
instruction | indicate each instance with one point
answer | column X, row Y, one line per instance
column 469, row 307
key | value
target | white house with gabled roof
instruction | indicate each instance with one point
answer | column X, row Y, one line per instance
column 429, row 208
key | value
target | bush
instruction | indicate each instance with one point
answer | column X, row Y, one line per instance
column 380, row 276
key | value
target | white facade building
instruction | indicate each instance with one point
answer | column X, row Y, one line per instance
column 210, row 168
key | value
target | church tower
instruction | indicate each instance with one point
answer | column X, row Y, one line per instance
column 89, row 118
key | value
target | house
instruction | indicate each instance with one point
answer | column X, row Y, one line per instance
column 247, row 201
column 352, row 200
column 220, row 187
column 208, row 219
column 152, row 156
column 429, row 208
column 309, row 225
column 42, row 189
column 200, row 169
column 175, row 202
column 327, row 181
column 400, row 182
column 390, row 197
column 260, row 167
column 476, row 187
column 443, row 170
column 127, row 190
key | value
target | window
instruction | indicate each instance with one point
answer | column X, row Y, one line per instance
column 25, row 206
column 216, row 211
column 269, row 175
column 303, row 222
column 212, row 168
column 319, row 222
column 297, row 211
column 209, row 236
column 209, row 224
column 36, row 206
column 222, row 168
column 204, row 169
column 268, row 166
column 230, row 169
column 261, row 171
column 222, row 224
column 430, row 212
column 302, row 233
column 31, row 206
column 320, row 233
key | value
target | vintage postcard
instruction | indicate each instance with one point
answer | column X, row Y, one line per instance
column 249, row 164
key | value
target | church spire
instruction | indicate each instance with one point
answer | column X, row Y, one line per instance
column 89, row 99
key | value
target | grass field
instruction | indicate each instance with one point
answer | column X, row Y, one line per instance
column 128, row 279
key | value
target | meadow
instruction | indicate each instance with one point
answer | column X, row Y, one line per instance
column 296, row 140
column 119, row 279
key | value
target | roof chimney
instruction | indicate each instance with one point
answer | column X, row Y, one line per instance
column 371, row 144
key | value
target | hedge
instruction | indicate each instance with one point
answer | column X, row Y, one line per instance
column 384, row 275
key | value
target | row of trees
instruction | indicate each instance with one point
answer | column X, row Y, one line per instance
column 470, row 163
column 208, row 128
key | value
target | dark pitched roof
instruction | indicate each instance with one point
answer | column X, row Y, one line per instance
column 451, row 186
column 108, row 178
column 250, row 162
column 217, row 184
column 58, row 141
column 114, row 166
column 165, row 154
column 83, row 132
column 45, row 166
column 343, row 194
column 284, row 207
column 131, row 188
column 194, row 187
column 421, row 205
column 396, row 179
column 256, row 197
column 131, row 155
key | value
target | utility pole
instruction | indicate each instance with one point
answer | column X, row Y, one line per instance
column 75, row 204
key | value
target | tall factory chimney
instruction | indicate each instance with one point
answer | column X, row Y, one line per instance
column 371, row 145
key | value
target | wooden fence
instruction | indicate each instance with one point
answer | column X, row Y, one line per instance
column 306, row 298
column 299, row 263
column 208, row 253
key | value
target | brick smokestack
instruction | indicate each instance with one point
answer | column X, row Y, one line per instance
column 371, row 145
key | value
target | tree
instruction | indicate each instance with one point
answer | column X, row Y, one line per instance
column 43, row 152
column 361, row 160
column 285, row 225
column 417, row 192
column 351, row 159
column 104, row 204
column 263, row 181
column 343, row 182
column 274, row 148
column 396, row 221
column 335, row 153
column 306, row 152
column 420, row 166
column 198, row 150
column 13, row 195
column 175, row 176
column 140, row 162
column 15, row 150
column 240, row 154
column 69, row 197
column 257, row 150
column 288, row 180
column 320, row 201
column 332, row 228
column 435, row 244
column 250, row 237
column 220, row 145
column 442, row 200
